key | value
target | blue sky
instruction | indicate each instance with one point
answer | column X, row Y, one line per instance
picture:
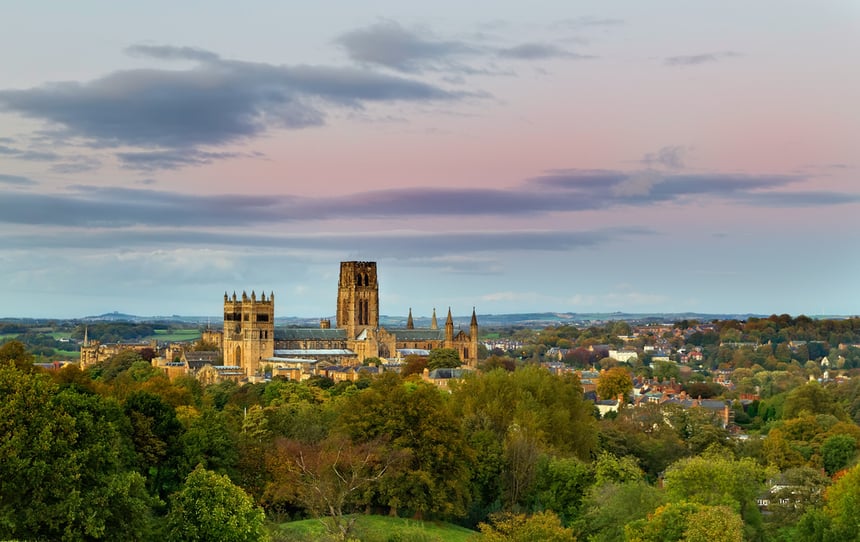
column 562, row 156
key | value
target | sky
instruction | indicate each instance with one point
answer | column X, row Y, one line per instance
column 543, row 156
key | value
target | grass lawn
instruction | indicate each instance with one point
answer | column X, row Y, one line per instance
column 380, row 529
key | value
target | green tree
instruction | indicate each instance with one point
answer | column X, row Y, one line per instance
column 209, row 508
column 837, row 452
column 812, row 398
column 208, row 441
column 609, row 468
column 507, row 527
column 63, row 472
column 608, row 507
column 716, row 480
column 416, row 421
column 155, row 433
column 440, row 358
column 559, row 486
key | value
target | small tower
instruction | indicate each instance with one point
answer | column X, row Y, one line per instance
column 409, row 323
column 357, row 298
column 433, row 323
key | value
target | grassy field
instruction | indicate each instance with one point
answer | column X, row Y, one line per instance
column 176, row 335
column 379, row 529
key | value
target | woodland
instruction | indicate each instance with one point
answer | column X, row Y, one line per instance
column 514, row 451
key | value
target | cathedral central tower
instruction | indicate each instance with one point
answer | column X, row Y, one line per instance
column 357, row 298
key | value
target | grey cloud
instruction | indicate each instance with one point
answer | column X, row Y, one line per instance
column 382, row 244
column 558, row 191
column 81, row 164
column 171, row 159
column 170, row 52
column 538, row 51
column 693, row 60
column 799, row 199
column 30, row 155
column 580, row 23
column 669, row 157
column 389, row 44
column 16, row 180
column 213, row 103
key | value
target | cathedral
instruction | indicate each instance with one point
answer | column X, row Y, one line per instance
column 250, row 340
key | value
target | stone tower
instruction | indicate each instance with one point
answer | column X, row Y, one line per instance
column 357, row 298
column 249, row 330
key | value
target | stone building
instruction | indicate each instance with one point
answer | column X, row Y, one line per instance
column 251, row 341
column 249, row 331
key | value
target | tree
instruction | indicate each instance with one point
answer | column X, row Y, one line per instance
column 330, row 478
column 837, row 451
column 155, row 433
column 715, row 480
column 63, row 471
column 608, row 507
column 415, row 420
column 507, row 527
column 609, row 468
column 615, row 383
column 15, row 354
column 842, row 509
column 687, row 522
column 443, row 358
column 812, row 398
column 207, row 441
column 209, row 508
column 559, row 486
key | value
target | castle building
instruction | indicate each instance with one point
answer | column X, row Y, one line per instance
column 251, row 341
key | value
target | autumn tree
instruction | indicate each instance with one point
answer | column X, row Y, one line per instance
column 508, row 527
column 687, row 522
column 15, row 354
column 614, row 383
column 330, row 478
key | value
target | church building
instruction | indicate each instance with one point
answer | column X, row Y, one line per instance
column 250, row 340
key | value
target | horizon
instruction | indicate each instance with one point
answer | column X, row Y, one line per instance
column 557, row 158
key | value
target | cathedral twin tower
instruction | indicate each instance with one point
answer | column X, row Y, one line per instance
column 249, row 339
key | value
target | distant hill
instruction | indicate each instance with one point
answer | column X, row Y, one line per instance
column 535, row 319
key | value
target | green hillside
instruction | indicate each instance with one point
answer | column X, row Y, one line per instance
column 370, row 528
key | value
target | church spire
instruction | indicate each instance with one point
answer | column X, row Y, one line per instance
column 449, row 327
column 433, row 323
column 409, row 323
column 474, row 322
